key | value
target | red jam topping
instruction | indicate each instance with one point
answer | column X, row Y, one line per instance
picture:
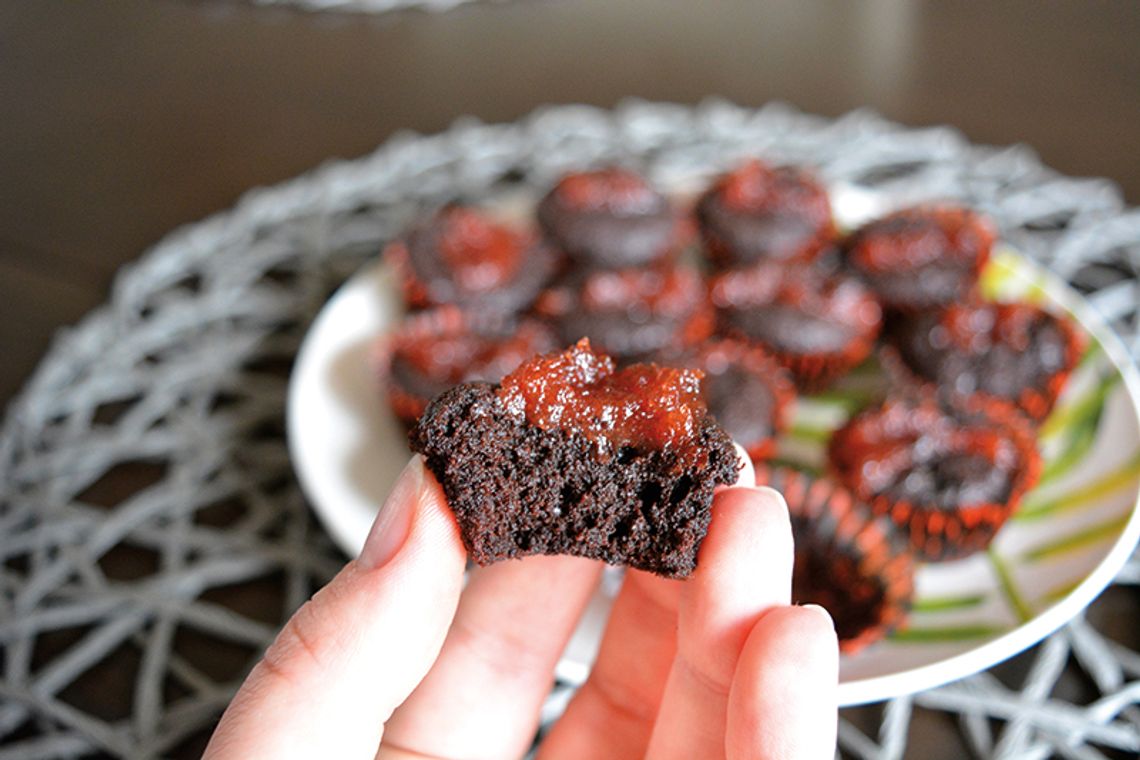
column 661, row 290
column 643, row 406
column 976, row 329
column 461, row 355
column 802, row 288
column 757, row 187
column 481, row 254
column 613, row 190
column 923, row 235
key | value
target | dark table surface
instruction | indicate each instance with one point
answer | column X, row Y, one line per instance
column 123, row 120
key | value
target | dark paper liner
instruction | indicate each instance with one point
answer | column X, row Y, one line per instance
column 838, row 540
column 935, row 533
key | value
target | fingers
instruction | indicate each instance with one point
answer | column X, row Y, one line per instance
column 496, row 666
column 358, row 648
column 612, row 713
column 744, row 568
column 782, row 704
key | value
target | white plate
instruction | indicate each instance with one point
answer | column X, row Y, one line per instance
column 1071, row 536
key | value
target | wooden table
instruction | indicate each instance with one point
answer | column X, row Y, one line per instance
column 124, row 120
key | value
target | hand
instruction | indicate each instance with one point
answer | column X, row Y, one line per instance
column 391, row 651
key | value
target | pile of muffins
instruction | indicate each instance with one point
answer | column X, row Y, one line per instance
column 753, row 284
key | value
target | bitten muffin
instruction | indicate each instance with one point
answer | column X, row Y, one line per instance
column 610, row 219
column 629, row 313
column 434, row 350
column 847, row 560
column 817, row 324
column 759, row 212
column 746, row 390
column 948, row 476
column 570, row 456
column 922, row 257
column 462, row 257
column 1013, row 351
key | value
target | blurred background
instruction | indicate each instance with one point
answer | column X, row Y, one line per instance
column 123, row 120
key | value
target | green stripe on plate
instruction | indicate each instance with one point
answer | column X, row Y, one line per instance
column 1091, row 535
column 1121, row 477
column 1075, row 412
column 810, row 434
column 946, row 634
column 947, row 603
column 1008, row 588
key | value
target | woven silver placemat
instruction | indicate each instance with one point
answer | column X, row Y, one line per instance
column 146, row 497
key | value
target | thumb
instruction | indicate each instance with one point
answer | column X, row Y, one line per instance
column 358, row 648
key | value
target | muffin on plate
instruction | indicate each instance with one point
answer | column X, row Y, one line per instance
column 463, row 257
column 432, row 351
column 760, row 213
column 948, row 475
column 922, row 257
column 1014, row 351
column 609, row 218
column 629, row 313
column 816, row 323
column 746, row 390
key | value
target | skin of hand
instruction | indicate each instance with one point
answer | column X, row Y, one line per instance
column 395, row 659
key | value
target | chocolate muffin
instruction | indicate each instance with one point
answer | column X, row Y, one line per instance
column 847, row 560
column 922, row 257
column 437, row 349
column 759, row 212
column 609, row 218
column 570, row 456
column 746, row 390
column 630, row 313
column 948, row 475
column 460, row 256
column 1013, row 351
column 817, row 324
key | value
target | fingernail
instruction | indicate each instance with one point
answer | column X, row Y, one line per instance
column 394, row 522
column 816, row 609
column 747, row 474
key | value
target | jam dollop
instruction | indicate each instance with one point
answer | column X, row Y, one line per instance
column 756, row 187
column 922, row 235
column 482, row 254
column 645, row 407
column 613, row 190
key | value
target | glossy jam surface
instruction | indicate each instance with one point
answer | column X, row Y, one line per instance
column 644, row 406
column 923, row 235
column 662, row 290
column 613, row 190
column 757, row 188
column 773, row 297
column 481, row 254
column 921, row 455
column 461, row 355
